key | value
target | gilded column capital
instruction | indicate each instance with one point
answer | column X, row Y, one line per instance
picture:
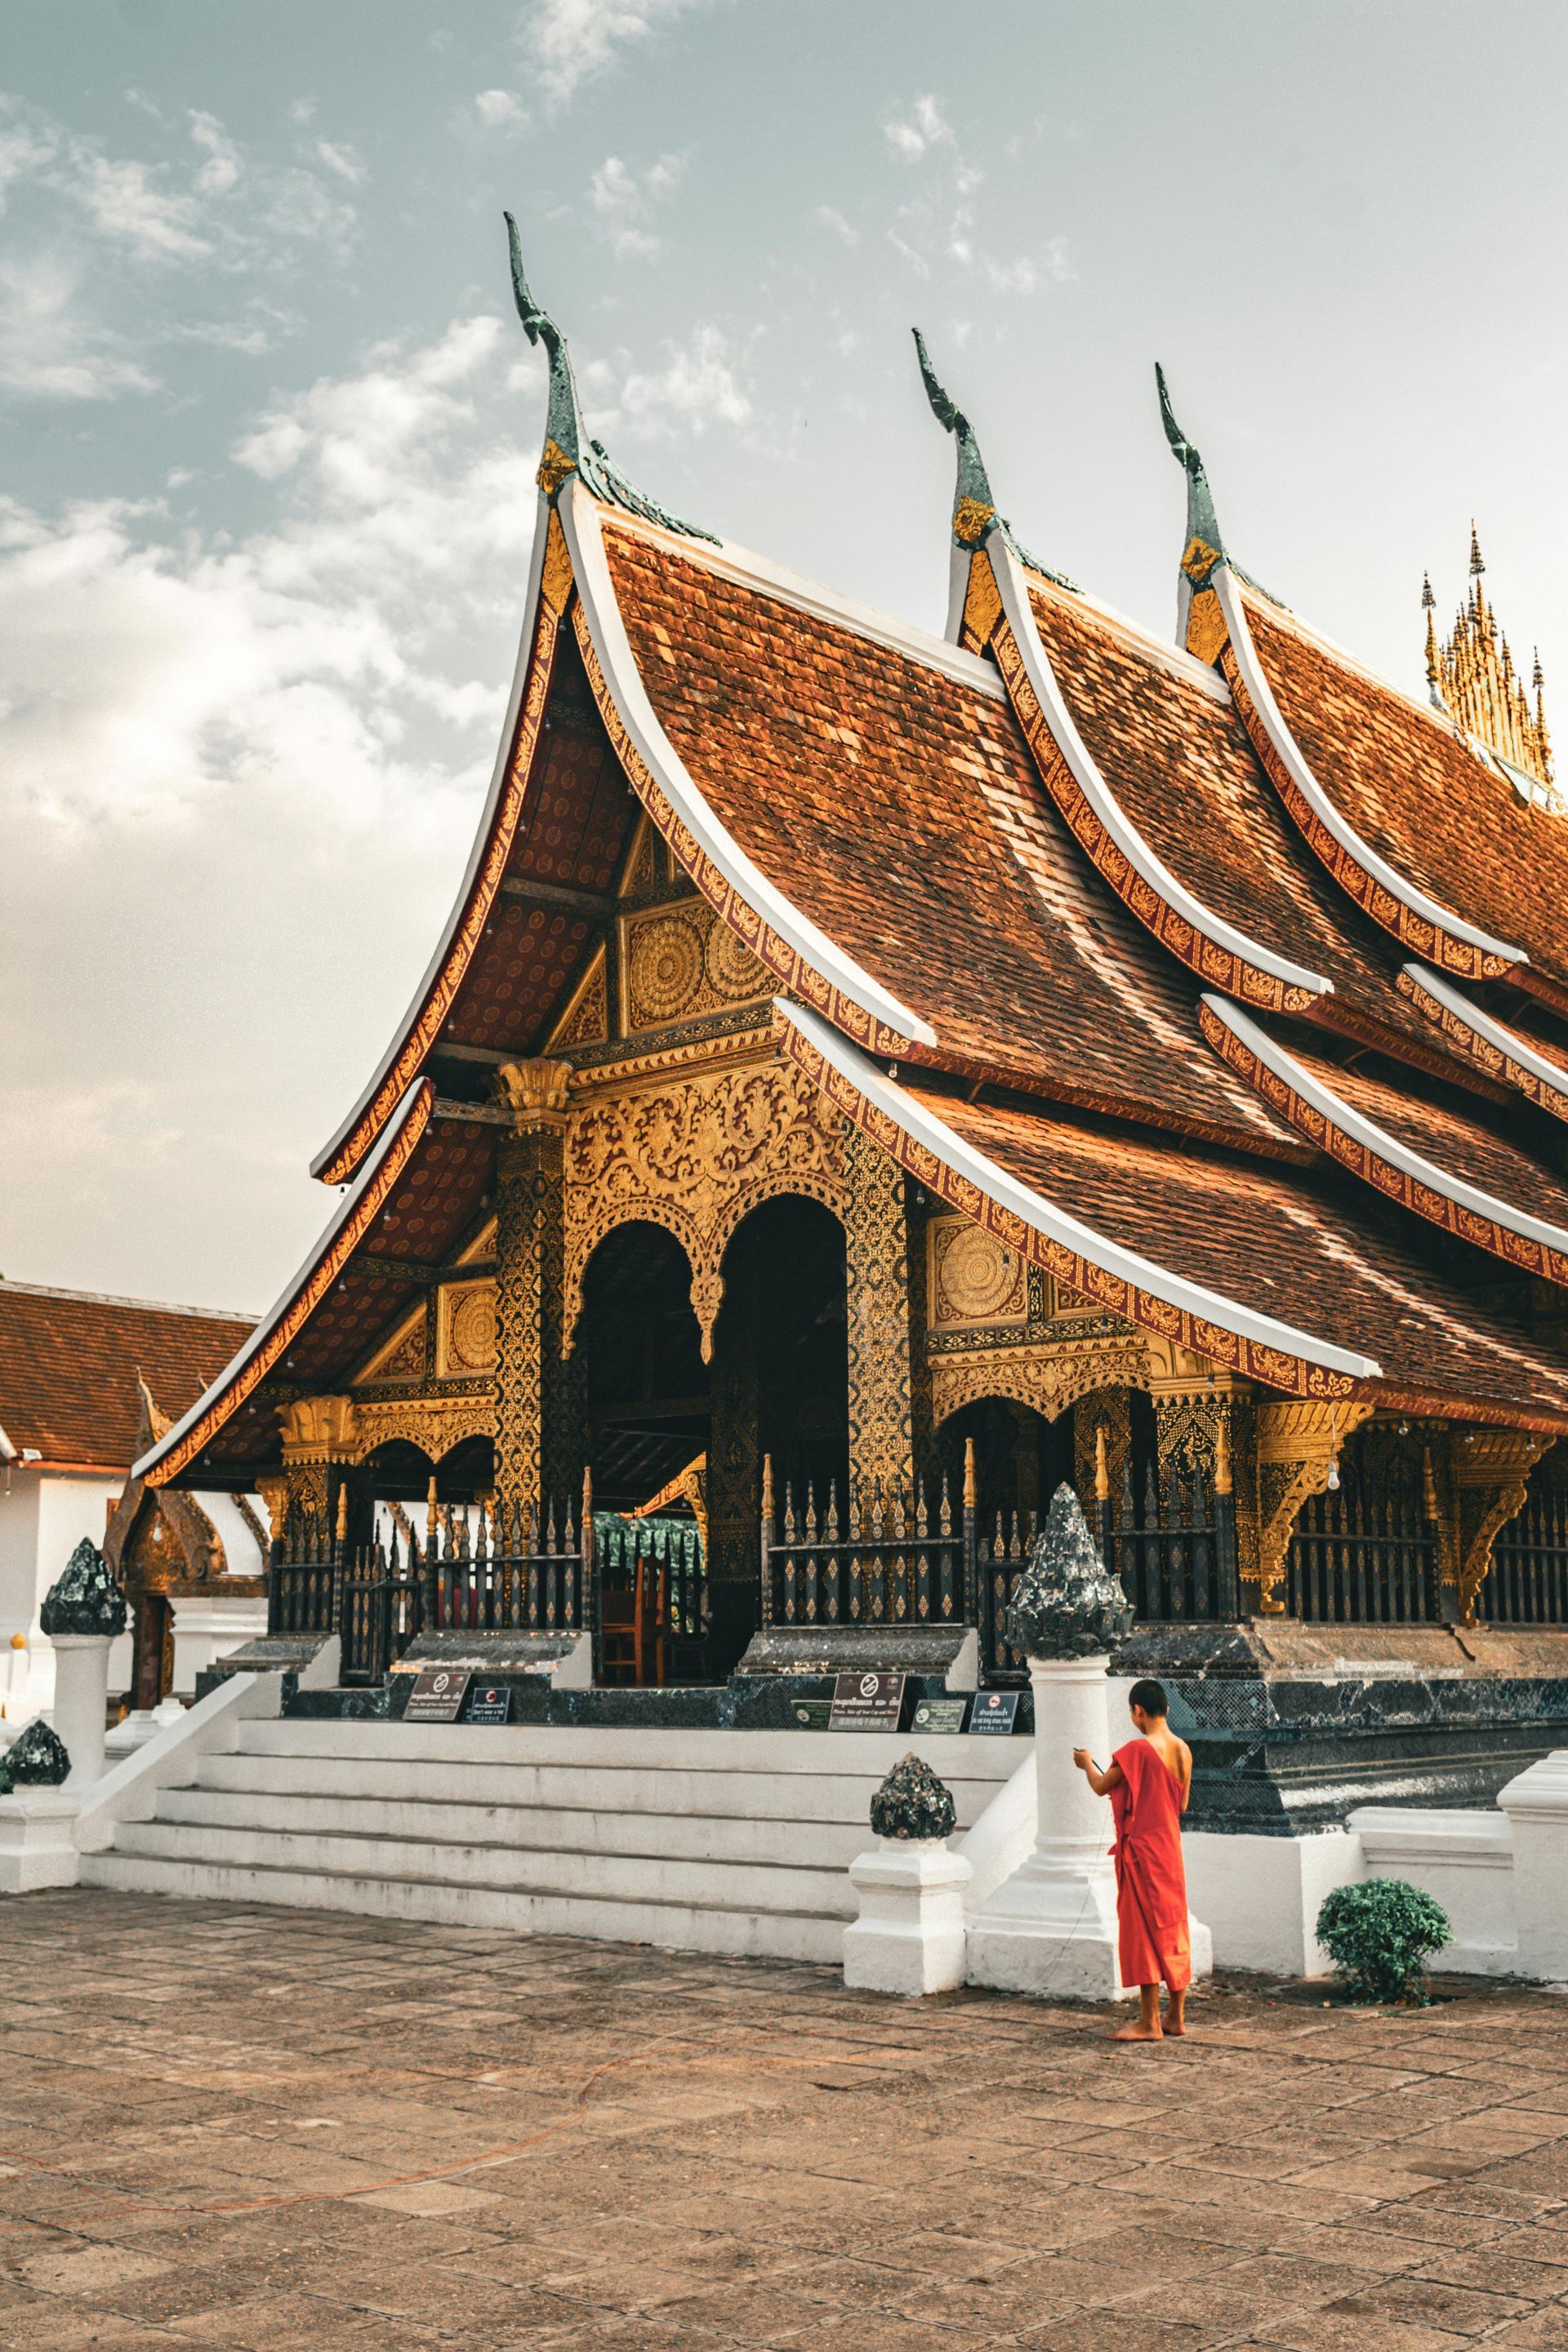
column 318, row 1429
column 534, row 1092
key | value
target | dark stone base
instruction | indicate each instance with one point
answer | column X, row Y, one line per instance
column 759, row 1703
column 1292, row 1727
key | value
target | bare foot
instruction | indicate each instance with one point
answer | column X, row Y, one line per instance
column 1137, row 2033
column 1176, row 2019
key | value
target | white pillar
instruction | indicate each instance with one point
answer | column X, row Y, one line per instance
column 81, row 1702
column 1050, row 1929
column 1536, row 1804
column 910, row 1935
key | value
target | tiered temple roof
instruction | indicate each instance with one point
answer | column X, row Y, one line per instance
column 1224, row 980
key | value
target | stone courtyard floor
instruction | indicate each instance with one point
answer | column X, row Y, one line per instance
column 225, row 2126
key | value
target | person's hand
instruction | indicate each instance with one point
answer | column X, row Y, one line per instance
column 1082, row 1759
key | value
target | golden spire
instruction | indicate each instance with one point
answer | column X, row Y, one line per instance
column 1473, row 678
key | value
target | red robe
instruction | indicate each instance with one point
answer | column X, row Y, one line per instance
column 1152, row 1943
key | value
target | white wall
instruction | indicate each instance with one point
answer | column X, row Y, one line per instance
column 42, row 1520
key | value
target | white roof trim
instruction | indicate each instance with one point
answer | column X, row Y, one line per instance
column 346, row 1206
column 330, row 1151
column 1318, row 800
column 1507, row 1041
column 1375, row 1138
column 581, row 516
column 749, row 570
column 1012, row 580
column 1056, row 1223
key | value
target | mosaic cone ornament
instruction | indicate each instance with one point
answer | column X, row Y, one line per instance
column 86, row 1600
column 1066, row 1604
column 38, row 1758
column 913, row 1804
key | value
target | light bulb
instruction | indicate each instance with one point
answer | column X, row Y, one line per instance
column 1334, row 1478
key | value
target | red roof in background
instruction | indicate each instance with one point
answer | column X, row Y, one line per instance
column 68, row 1361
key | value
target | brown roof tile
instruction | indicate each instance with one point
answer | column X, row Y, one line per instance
column 68, row 1362
column 1402, row 777
column 1282, row 1243
column 900, row 810
column 1179, row 763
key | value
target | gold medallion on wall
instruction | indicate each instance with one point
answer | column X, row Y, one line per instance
column 681, row 961
column 975, row 1281
column 466, row 1331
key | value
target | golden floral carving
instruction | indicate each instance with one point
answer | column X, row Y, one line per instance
column 435, row 1424
column 982, row 603
column 971, row 519
column 1208, row 632
column 696, row 1155
column 553, row 467
column 555, row 574
column 1049, row 1376
column 1297, row 1441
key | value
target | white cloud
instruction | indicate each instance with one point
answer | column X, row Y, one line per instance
column 146, row 671
column 624, row 202
column 700, row 387
column 498, row 109
column 171, row 211
column 221, row 170
column 570, row 41
column 340, row 157
column 926, row 128
column 52, row 348
column 829, row 216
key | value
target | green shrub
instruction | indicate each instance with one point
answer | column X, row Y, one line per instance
column 1379, row 1934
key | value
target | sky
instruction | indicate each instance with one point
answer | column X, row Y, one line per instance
column 268, row 427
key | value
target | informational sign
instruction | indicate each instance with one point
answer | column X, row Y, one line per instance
column 811, row 1714
column 939, row 1715
column 491, row 1703
column 867, row 1703
column 994, row 1712
column 437, row 1697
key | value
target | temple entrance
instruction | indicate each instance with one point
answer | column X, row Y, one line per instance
column 781, row 1388
column 778, row 1383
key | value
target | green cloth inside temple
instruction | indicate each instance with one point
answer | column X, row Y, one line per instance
column 620, row 1543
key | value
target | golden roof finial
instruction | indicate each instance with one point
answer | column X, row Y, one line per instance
column 1473, row 678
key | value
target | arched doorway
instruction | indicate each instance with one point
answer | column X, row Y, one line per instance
column 780, row 1389
column 641, row 1354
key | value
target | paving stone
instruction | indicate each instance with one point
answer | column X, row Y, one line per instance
column 566, row 2145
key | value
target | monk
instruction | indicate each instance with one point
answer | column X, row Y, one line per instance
column 1148, row 1783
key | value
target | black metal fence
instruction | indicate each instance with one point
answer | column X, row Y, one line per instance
column 882, row 1560
column 1528, row 1581
column 477, row 1569
column 905, row 1562
column 1365, row 1552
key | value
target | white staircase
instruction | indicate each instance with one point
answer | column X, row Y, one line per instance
column 700, row 1840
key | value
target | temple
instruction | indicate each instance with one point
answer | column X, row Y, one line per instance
column 868, row 1078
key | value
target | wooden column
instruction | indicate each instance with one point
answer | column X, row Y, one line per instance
column 539, row 1422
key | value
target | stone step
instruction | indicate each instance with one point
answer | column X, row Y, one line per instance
column 630, row 1786
column 724, row 1928
column 795, row 1886
column 754, row 1756
column 540, row 1828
